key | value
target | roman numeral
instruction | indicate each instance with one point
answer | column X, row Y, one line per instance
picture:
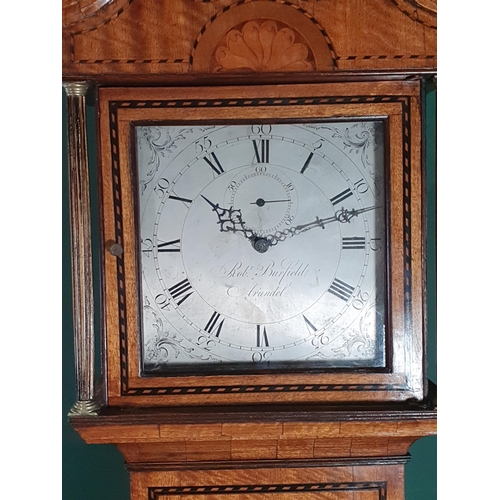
column 306, row 164
column 213, row 325
column 341, row 196
column 341, row 290
column 353, row 243
column 181, row 291
column 214, row 163
column 310, row 326
column 262, row 339
column 178, row 198
column 261, row 149
column 170, row 246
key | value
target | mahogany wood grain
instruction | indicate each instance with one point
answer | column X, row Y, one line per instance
column 146, row 38
column 347, row 482
column 161, row 435
column 264, row 453
column 404, row 377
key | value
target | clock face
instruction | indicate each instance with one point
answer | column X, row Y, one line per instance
column 262, row 246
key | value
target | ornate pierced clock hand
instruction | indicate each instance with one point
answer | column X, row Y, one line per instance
column 230, row 220
column 343, row 216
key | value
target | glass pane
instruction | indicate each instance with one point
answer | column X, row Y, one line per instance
column 262, row 246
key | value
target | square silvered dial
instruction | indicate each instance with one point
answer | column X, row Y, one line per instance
column 262, row 246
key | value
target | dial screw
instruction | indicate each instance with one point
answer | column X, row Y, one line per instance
column 261, row 245
column 114, row 248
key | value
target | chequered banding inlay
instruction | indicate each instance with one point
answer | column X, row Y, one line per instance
column 407, row 274
column 398, row 56
column 115, row 106
column 120, row 269
column 283, row 2
column 257, row 102
column 261, row 389
column 156, row 493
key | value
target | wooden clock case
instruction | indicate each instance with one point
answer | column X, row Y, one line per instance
column 325, row 444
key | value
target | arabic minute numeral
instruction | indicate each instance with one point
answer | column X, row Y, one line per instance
column 261, row 129
column 320, row 340
column 318, row 143
column 161, row 187
column 360, row 300
column 147, row 247
column 361, row 186
column 162, row 300
column 205, row 343
column 375, row 244
column 203, row 144
column 259, row 357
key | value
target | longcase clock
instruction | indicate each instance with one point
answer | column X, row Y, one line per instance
column 262, row 243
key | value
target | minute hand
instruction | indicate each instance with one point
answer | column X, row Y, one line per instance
column 343, row 216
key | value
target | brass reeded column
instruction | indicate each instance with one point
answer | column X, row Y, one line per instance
column 81, row 250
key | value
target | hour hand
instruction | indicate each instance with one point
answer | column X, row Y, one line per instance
column 215, row 207
column 230, row 220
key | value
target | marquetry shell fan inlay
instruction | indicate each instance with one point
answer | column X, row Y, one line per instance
column 262, row 46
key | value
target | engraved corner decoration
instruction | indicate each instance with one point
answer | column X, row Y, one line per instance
column 126, row 387
column 262, row 37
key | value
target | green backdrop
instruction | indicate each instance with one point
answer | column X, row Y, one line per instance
column 97, row 472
